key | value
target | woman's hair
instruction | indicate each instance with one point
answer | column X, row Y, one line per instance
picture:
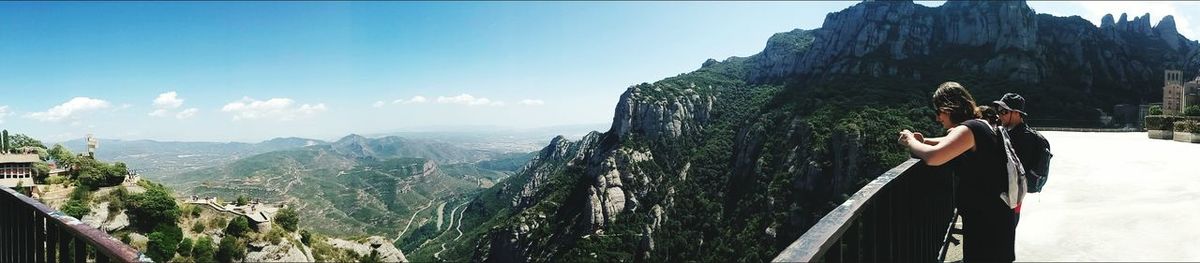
column 954, row 99
column 989, row 114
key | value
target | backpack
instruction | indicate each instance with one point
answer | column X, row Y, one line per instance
column 1040, row 171
column 1014, row 170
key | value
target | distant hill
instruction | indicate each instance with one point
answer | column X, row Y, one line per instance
column 358, row 185
column 160, row 159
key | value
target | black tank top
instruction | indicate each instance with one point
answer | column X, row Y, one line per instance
column 981, row 172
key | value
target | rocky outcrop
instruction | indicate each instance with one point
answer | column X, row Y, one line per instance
column 100, row 218
column 648, row 109
column 1010, row 40
column 285, row 251
column 383, row 246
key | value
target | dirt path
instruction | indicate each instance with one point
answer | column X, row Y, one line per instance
column 410, row 220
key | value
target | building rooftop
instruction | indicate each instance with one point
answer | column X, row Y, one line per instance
column 19, row 158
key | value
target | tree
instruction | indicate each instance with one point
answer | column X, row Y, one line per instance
column 155, row 206
column 40, row 172
column 18, row 141
column 1193, row 110
column 230, row 249
column 4, row 143
column 242, row 200
column 162, row 245
column 288, row 219
column 239, row 226
column 203, row 250
column 62, row 156
column 185, row 247
column 306, row 237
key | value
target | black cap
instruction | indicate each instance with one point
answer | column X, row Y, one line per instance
column 1012, row 102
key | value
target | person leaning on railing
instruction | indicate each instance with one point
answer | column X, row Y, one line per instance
column 970, row 150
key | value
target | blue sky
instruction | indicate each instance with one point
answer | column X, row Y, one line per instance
column 249, row 71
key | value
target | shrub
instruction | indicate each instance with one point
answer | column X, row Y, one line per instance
column 198, row 227
column 242, row 200
column 1191, row 126
column 1155, row 110
column 1161, row 122
column 239, row 226
column 1193, row 110
column 203, row 250
column 275, row 235
column 230, row 249
column 161, row 247
column 217, row 222
column 76, row 208
column 306, row 237
column 151, row 208
column 287, row 218
column 185, row 247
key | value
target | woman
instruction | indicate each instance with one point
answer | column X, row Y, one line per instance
column 971, row 150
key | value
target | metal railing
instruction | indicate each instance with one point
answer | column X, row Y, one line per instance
column 903, row 215
column 32, row 232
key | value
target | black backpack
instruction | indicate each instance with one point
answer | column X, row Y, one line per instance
column 1040, row 171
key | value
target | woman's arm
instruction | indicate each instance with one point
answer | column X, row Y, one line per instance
column 957, row 141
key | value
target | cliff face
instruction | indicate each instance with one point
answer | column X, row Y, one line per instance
column 737, row 159
column 1008, row 38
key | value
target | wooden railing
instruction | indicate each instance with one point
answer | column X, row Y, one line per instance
column 903, row 215
column 32, row 232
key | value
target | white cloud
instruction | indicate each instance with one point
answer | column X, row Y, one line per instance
column 188, row 113
column 169, row 100
column 159, row 113
column 377, row 104
column 166, row 103
column 4, row 112
column 467, row 99
column 282, row 109
column 531, row 102
column 69, row 109
column 414, row 99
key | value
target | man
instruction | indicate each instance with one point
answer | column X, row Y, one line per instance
column 1031, row 147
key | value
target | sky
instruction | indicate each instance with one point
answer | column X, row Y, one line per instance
column 251, row 71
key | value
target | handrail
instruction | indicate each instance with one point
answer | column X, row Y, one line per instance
column 903, row 215
column 33, row 232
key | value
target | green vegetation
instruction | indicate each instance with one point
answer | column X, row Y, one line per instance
column 242, row 200
column 230, row 249
column 152, row 208
column 1155, row 110
column 203, row 250
column 185, row 247
column 239, row 227
column 288, row 219
column 1193, row 110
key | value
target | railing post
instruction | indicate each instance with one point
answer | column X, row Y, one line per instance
column 64, row 242
column 80, row 250
column 51, row 238
column 39, row 238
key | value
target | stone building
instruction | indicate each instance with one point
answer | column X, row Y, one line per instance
column 17, row 169
column 1178, row 95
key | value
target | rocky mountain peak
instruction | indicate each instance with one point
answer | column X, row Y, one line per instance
column 1166, row 26
column 1107, row 21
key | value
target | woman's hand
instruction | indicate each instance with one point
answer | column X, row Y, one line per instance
column 905, row 137
column 919, row 137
